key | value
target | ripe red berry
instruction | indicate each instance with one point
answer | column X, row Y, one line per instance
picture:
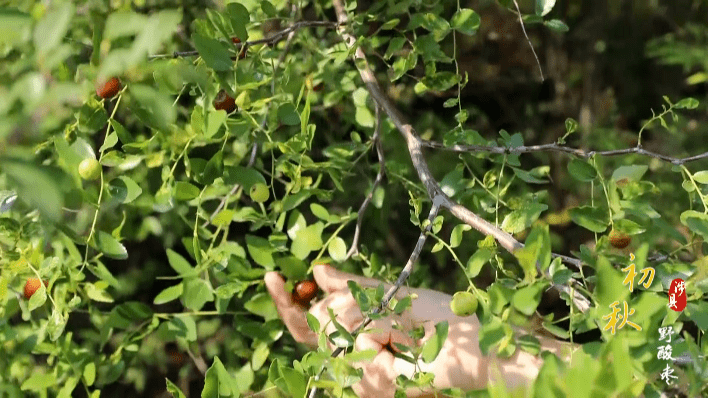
column 619, row 240
column 244, row 48
column 224, row 101
column 31, row 286
column 304, row 292
column 108, row 88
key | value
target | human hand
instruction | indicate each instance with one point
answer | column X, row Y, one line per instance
column 459, row 364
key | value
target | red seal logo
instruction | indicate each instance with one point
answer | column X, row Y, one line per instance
column 677, row 295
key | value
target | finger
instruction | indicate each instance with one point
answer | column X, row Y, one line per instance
column 343, row 306
column 292, row 314
column 382, row 332
column 379, row 373
column 330, row 279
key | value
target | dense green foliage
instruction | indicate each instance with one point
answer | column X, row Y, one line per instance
column 155, row 260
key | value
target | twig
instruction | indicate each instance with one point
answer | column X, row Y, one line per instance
column 275, row 38
column 379, row 177
column 414, row 143
column 523, row 28
column 554, row 147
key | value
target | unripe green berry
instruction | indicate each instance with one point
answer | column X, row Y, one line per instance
column 89, row 169
column 463, row 304
column 259, row 193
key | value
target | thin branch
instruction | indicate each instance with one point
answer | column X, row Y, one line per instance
column 379, row 177
column 523, row 28
column 414, row 144
column 275, row 38
column 554, row 147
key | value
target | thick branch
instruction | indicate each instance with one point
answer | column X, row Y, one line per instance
column 414, row 144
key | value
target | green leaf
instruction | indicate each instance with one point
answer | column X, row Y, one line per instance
column 687, row 103
column 240, row 18
column 477, row 261
column 571, row 125
column 527, row 298
column 543, row 7
column 153, row 107
column 337, row 249
column 432, row 22
column 402, row 305
column 292, row 268
column 696, row 222
column 38, row 298
column 394, row 46
column 90, row 373
column 465, row 21
column 260, row 250
column 169, row 294
column 39, row 382
column 244, row 176
column 698, row 312
column 592, row 218
column 456, row 235
column 701, row 177
column 632, row 173
column 499, row 297
column 390, row 24
column 360, row 296
column 223, row 218
column 211, row 381
column 520, row 219
column 214, row 53
column 123, row 23
column 555, row 330
column 110, row 246
column 179, row 263
column 432, row 347
column 197, row 292
column 307, row 240
column 259, row 356
column 110, row 141
column 319, row 211
column 262, row 305
column 215, row 119
column 287, row 114
column 124, row 189
column 312, row 322
column 581, row 170
column 268, row 8
column 529, row 344
column 36, row 185
column 609, row 286
column 15, row 28
column 173, row 389
column 491, row 334
column 557, row 25
column 295, row 381
column 51, row 29
column 96, row 292
column 185, row 191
